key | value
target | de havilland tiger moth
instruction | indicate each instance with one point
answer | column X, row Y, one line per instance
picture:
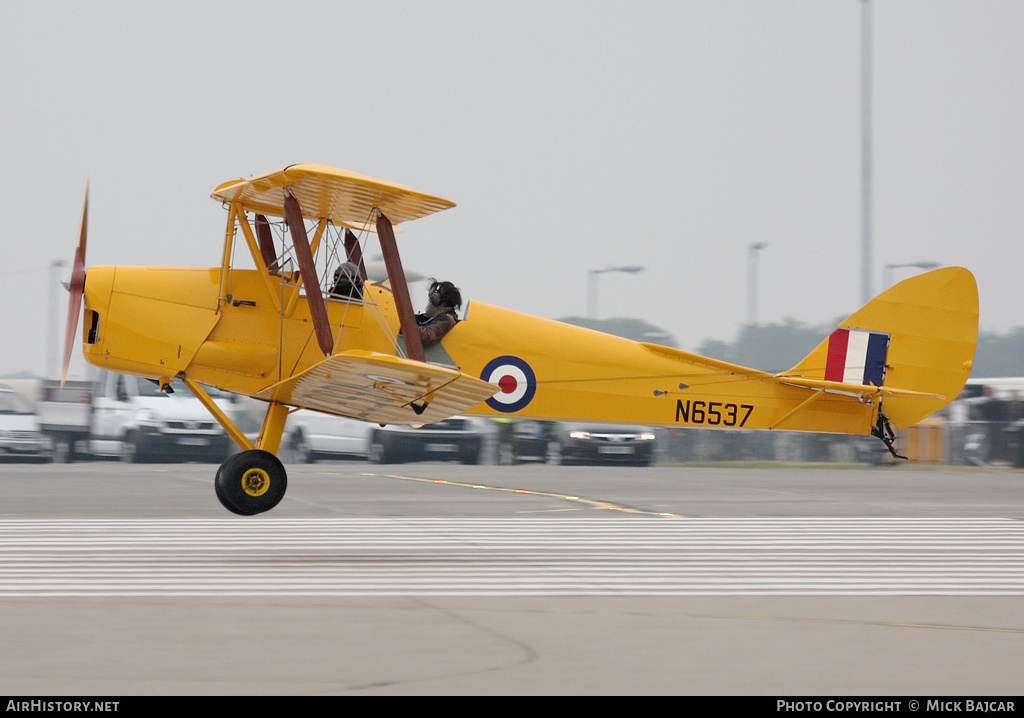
column 273, row 326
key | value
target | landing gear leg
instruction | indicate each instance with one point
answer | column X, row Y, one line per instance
column 254, row 480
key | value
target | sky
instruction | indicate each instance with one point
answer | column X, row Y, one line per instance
column 573, row 136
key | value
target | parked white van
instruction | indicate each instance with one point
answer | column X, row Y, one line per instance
column 134, row 421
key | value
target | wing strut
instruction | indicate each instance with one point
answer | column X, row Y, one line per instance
column 315, row 299
column 266, row 240
column 393, row 263
column 353, row 253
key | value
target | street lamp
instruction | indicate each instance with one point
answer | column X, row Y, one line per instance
column 53, row 323
column 592, row 286
column 754, row 248
column 865, row 151
column 918, row 265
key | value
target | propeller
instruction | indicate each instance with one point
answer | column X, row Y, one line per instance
column 76, row 288
column 300, row 242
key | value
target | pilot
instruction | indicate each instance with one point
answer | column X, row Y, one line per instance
column 347, row 282
column 443, row 299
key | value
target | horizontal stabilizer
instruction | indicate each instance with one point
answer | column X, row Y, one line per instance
column 864, row 391
column 381, row 388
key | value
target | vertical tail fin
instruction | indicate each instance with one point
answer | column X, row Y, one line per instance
column 919, row 335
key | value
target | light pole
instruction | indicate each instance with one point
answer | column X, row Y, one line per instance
column 592, row 286
column 52, row 326
column 865, row 152
column 887, row 279
column 754, row 248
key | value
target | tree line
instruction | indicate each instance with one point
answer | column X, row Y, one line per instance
column 777, row 347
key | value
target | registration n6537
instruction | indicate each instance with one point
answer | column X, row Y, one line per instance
column 712, row 413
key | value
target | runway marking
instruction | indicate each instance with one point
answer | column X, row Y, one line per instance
column 518, row 556
column 725, row 616
column 592, row 503
column 889, row 624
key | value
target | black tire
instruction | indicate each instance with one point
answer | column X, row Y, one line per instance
column 217, row 488
column 251, row 482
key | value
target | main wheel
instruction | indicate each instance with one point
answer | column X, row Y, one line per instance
column 218, row 489
column 251, row 482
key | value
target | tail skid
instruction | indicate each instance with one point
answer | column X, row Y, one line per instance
column 883, row 430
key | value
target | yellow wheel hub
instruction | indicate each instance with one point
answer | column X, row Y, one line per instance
column 255, row 482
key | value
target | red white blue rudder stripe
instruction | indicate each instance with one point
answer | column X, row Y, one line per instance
column 857, row 356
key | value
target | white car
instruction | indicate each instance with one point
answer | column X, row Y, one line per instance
column 312, row 435
column 20, row 437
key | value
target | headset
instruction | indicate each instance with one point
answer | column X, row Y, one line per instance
column 444, row 293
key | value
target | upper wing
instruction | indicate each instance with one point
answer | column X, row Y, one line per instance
column 381, row 388
column 344, row 197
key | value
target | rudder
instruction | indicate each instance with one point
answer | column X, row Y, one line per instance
column 930, row 322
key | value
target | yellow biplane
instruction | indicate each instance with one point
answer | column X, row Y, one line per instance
column 268, row 326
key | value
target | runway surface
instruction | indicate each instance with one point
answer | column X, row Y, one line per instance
column 511, row 557
column 444, row 579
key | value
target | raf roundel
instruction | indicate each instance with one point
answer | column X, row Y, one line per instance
column 516, row 380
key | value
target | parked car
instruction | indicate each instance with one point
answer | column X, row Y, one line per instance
column 134, row 421
column 64, row 411
column 460, row 438
column 530, row 441
column 20, row 437
column 312, row 435
column 595, row 443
